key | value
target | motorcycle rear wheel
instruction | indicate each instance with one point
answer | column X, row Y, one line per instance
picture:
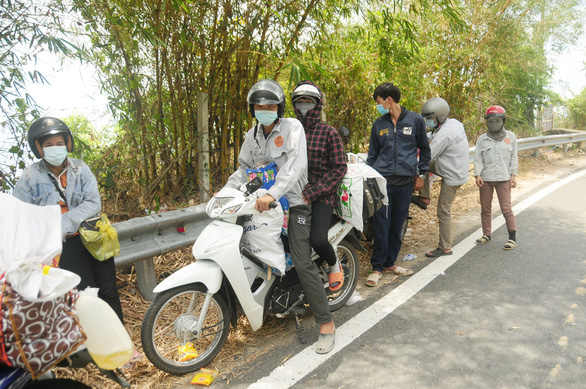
column 349, row 259
column 166, row 323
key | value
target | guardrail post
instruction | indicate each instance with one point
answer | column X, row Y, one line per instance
column 203, row 152
column 582, row 146
column 146, row 278
column 536, row 152
column 565, row 148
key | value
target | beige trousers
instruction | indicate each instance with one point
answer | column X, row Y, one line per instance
column 444, row 206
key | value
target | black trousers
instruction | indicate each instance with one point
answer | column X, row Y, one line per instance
column 321, row 219
column 96, row 274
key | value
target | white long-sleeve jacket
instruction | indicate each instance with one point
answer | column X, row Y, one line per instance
column 496, row 160
column 285, row 146
column 449, row 149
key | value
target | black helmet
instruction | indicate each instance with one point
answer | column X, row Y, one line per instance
column 48, row 126
column 266, row 92
column 438, row 107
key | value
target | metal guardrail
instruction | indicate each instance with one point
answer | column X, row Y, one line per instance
column 143, row 238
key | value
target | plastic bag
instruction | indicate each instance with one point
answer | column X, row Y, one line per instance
column 262, row 236
column 100, row 238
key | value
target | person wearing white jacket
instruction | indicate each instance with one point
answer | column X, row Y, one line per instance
column 495, row 167
column 449, row 160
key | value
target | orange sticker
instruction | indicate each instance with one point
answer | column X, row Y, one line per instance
column 279, row 141
column 507, row 140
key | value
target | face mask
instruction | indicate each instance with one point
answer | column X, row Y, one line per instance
column 381, row 109
column 266, row 118
column 495, row 126
column 430, row 123
column 55, row 155
column 304, row 107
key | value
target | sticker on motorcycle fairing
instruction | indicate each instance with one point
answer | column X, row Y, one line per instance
column 408, row 130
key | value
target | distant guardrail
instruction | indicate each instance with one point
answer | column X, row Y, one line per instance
column 143, row 238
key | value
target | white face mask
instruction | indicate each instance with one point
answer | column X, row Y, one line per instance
column 55, row 155
column 304, row 107
column 266, row 118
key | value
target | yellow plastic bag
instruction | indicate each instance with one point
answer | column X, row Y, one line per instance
column 100, row 238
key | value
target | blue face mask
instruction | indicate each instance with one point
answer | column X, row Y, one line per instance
column 381, row 109
column 55, row 155
column 430, row 123
column 266, row 118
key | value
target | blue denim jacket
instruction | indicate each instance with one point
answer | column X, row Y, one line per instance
column 83, row 197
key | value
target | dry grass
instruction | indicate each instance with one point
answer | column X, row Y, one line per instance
column 245, row 346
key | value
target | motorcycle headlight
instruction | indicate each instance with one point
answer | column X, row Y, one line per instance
column 215, row 207
column 231, row 210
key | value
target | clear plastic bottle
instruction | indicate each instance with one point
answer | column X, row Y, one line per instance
column 107, row 341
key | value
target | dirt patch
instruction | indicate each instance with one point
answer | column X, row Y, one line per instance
column 244, row 347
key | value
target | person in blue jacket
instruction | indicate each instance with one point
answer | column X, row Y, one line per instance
column 394, row 140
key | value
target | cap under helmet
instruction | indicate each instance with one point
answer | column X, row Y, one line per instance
column 266, row 92
column 306, row 90
column 46, row 126
column 495, row 111
column 438, row 107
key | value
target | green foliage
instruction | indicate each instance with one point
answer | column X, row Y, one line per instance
column 26, row 29
column 577, row 111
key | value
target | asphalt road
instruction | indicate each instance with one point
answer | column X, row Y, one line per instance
column 482, row 318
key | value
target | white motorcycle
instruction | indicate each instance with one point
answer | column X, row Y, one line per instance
column 188, row 321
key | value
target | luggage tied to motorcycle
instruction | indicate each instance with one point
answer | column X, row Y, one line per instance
column 262, row 232
column 39, row 325
column 362, row 192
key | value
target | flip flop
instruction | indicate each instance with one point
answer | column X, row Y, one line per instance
column 336, row 277
column 400, row 271
column 438, row 253
column 373, row 278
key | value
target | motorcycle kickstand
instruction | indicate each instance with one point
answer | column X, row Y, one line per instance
column 298, row 327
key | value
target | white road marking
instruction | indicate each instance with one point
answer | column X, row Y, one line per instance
column 302, row 364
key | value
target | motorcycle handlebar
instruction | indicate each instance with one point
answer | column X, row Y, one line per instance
column 273, row 205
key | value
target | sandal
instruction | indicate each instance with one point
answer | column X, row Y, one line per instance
column 325, row 343
column 483, row 240
column 438, row 253
column 373, row 278
column 399, row 271
column 336, row 277
column 510, row 245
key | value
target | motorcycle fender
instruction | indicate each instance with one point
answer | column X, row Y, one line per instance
column 203, row 270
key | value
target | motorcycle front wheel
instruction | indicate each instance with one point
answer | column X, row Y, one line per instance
column 166, row 334
column 349, row 260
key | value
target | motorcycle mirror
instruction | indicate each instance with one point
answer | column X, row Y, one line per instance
column 254, row 185
column 344, row 133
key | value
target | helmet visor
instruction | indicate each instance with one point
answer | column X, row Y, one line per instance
column 266, row 92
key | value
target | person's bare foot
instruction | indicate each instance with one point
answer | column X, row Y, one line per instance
column 327, row 328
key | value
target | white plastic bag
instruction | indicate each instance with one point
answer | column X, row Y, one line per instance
column 352, row 192
column 30, row 237
column 262, row 236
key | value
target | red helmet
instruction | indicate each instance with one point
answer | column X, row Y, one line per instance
column 495, row 111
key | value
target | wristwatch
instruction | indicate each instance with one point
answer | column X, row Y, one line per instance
column 422, row 176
